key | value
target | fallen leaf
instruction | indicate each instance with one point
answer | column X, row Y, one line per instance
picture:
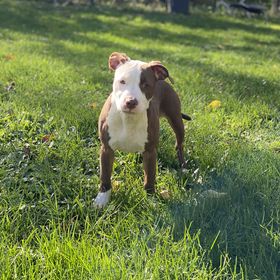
column 47, row 138
column 8, row 57
column 214, row 104
column 116, row 184
column 165, row 194
column 93, row 105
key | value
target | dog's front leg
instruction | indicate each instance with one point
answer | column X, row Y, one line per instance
column 106, row 166
column 149, row 163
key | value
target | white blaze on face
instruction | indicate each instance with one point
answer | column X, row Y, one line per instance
column 128, row 129
column 126, row 85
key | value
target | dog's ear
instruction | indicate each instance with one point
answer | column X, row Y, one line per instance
column 160, row 71
column 116, row 58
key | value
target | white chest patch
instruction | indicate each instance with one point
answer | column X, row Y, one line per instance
column 127, row 132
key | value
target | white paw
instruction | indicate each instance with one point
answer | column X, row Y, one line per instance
column 102, row 199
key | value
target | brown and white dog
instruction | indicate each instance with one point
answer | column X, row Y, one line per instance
column 129, row 120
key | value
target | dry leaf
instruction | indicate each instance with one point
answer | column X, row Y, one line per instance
column 165, row 194
column 214, row 104
column 47, row 138
column 8, row 57
column 93, row 105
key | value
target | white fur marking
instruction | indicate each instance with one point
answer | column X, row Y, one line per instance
column 128, row 132
column 129, row 73
column 102, row 199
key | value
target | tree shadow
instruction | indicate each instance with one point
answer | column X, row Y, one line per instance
column 241, row 86
column 238, row 219
column 55, row 26
column 74, row 23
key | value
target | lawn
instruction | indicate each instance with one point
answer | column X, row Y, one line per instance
column 54, row 79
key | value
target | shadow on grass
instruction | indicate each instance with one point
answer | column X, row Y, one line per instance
column 64, row 202
column 73, row 24
column 238, row 220
column 27, row 17
column 70, row 23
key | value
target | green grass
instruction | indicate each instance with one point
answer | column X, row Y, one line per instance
column 53, row 82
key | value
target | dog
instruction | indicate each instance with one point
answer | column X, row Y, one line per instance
column 129, row 119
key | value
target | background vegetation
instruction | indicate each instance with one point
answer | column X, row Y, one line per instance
column 53, row 82
column 271, row 5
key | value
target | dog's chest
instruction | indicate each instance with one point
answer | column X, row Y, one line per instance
column 127, row 132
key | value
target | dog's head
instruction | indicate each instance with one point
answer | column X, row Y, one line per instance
column 134, row 82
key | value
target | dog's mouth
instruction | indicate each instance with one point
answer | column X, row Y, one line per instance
column 129, row 112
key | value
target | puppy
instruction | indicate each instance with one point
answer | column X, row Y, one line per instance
column 129, row 120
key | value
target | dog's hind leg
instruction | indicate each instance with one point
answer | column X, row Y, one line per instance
column 176, row 122
column 170, row 107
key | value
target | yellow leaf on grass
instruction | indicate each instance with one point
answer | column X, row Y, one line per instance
column 47, row 138
column 116, row 185
column 214, row 104
column 8, row 57
column 93, row 105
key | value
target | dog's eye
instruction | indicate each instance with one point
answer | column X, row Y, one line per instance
column 144, row 85
column 123, row 82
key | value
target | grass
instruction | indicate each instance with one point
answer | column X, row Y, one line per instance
column 53, row 82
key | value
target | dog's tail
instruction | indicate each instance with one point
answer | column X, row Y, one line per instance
column 186, row 117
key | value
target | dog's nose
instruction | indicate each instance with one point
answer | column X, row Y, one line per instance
column 131, row 103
